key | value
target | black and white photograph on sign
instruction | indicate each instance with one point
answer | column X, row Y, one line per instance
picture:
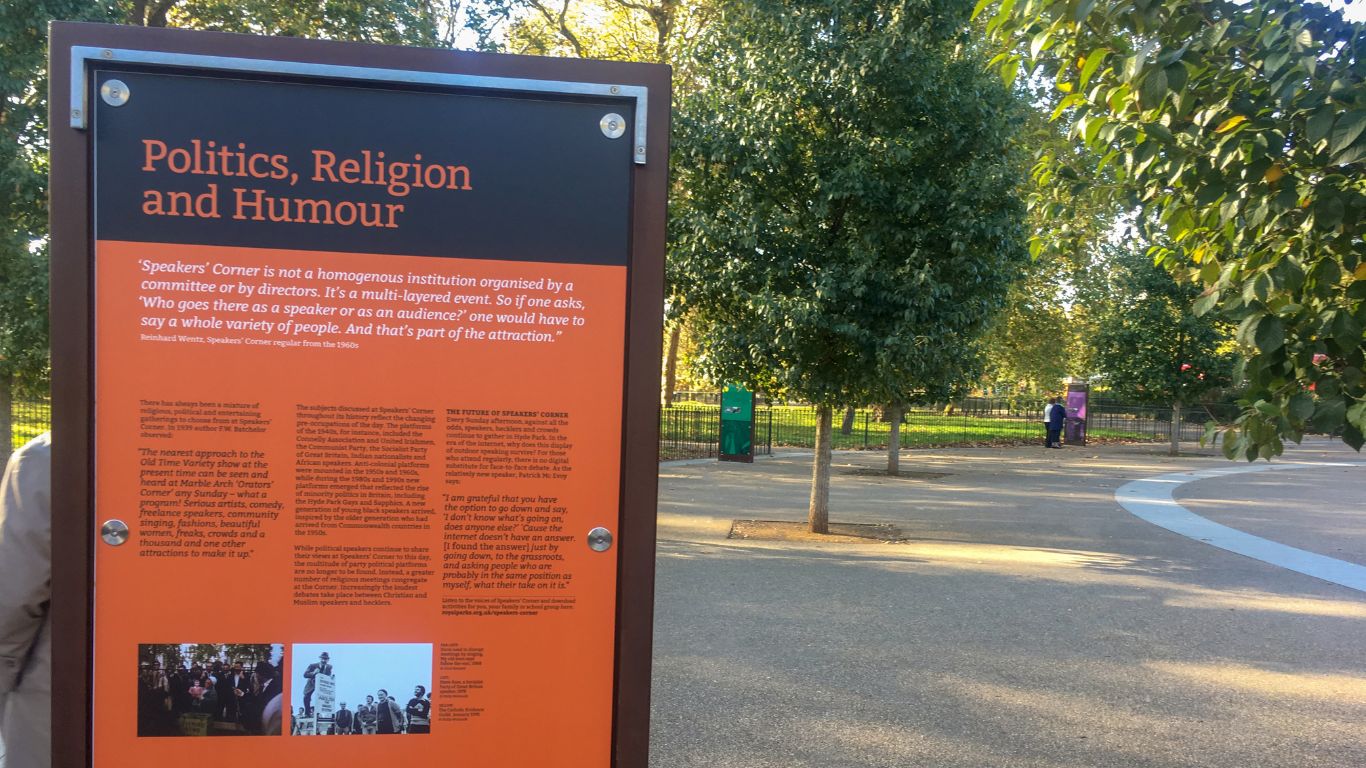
column 210, row 689
column 354, row 689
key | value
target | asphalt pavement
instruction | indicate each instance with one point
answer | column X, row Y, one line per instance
column 1025, row 620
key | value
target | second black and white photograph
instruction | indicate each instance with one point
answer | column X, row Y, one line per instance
column 359, row 689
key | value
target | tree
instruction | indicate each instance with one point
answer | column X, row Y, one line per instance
column 401, row 22
column 23, row 206
column 1028, row 345
column 167, row 657
column 624, row 30
column 23, row 131
column 1240, row 127
column 1150, row 347
column 846, row 220
column 628, row 30
column 680, row 361
column 1038, row 340
column 248, row 654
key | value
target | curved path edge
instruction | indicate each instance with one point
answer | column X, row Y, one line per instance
column 1152, row 499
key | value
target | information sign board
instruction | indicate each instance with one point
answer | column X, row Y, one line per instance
column 326, row 697
column 360, row 341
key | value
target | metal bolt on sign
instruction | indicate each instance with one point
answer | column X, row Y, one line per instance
column 599, row 539
column 114, row 92
column 613, row 125
column 114, row 532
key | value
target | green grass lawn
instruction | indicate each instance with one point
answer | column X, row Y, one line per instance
column 29, row 420
column 795, row 426
column 792, row 427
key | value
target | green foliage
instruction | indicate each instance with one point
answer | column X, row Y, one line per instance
column 1240, row 129
column 845, row 220
column 1029, row 345
column 171, row 656
column 23, row 177
column 1042, row 335
column 23, row 124
column 247, row 653
column 1150, row 347
column 618, row 30
column 165, row 656
column 405, row 22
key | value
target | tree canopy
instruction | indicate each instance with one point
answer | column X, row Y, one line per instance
column 848, row 218
column 1028, row 346
column 23, row 177
column 23, row 123
column 1150, row 345
column 853, row 223
column 1240, row 127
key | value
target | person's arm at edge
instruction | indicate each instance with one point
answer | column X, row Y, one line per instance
column 25, row 554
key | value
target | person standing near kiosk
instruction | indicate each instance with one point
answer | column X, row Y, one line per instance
column 1054, row 415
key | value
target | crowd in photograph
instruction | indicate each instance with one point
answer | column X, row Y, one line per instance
column 218, row 698
column 380, row 713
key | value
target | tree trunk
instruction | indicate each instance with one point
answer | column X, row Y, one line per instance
column 847, row 426
column 818, row 515
column 6, row 420
column 894, row 440
column 1175, row 447
column 671, row 364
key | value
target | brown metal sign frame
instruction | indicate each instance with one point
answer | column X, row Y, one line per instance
column 72, row 242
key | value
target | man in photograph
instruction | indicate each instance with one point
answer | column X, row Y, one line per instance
column 343, row 721
column 238, row 686
column 179, row 686
column 231, row 685
column 261, row 712
column 389, row 719
column 320, row 667
column 419, row 712
column 367, row 716
column 297, row 728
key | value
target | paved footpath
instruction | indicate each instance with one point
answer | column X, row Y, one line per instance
column 1030, row 620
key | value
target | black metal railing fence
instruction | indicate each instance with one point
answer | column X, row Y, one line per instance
column 691, row 428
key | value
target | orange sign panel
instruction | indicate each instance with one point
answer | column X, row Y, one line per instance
column 358, row 398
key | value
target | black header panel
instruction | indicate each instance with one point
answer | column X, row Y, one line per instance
column 214, row 160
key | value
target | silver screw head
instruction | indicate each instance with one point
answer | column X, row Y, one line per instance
column 106, row 53
column 114, row 93
column 599, row 539
column 114, row 532
column 616, row 89
column 613, row 125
